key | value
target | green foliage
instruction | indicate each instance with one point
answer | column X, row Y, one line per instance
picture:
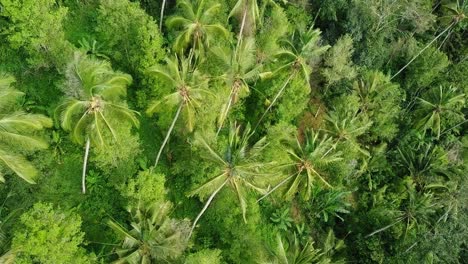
column 49, row 235
column 146, row 188
column 17, row 132
column 356, row 154
column 212, row 256
column 338, row 63
column 138, row 44
column 153, row 237
column 36, row 27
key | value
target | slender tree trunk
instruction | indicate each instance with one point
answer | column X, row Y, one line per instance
column 275, row 99
column 244, row 16
column 422, row 50
column 208, row 202
column 85, row 163
column 168, row 134
column 225, row 113
column 276, row 187
column 162, row 15
column 384, row 228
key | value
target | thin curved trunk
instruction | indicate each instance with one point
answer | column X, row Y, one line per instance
column 225, row 113
column 422, row 50
column 384, row 228
column 275, row 99
column 244, row 16
column 85, row 163
column 168, row 134
column 162, row 15
column 276, row 187
column 208, row 202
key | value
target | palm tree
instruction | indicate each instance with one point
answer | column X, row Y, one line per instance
column 187, row 97
column 161, row 17
column 290, row 251
column 456, row 14
column 346, row 127
column 196, row 29
column 153, row 236
column 439, row 104
column 240, row 68
column 17, row 132
column 416, row 210
column 94, row 104
column 299, row 50
column 238, row 166
column 308, row 165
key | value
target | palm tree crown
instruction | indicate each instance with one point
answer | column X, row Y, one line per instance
column 17, row 130
column 195, row 25
column 153, row 236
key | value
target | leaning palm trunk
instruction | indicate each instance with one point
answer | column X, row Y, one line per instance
column 162, row 15
column 169, row 132
column 208, row 202
column 275, row 99
column 276, row 187
column 226, row 112
column 422, row 50
column 244, row 17
column 85, row 163
column 385, row 227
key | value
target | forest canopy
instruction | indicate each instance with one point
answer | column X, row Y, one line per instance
column 233, row 131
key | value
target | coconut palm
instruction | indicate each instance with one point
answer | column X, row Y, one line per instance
column 455, row 15
column 417, row 209
column 240, row 68
column 153, row 236
column 295, row 57
column 94, row 104
column 196, row 27
column 290, row 251
column 440, row 104
column 188, row 95
column 17, row 132
column 346, row 127
column 308, row 165
column 238, row 166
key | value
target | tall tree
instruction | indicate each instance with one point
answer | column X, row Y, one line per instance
column 308, row 165
column 94, row 104
column 238, row 166
column 18, row 132
column 196, row 26
column 437, row 107
column 241, row 68
column 295, row 57
column 189, row 93
column 153, row 236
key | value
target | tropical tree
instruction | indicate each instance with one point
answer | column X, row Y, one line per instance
column 346, row 126
column 196, row 27
column 308, row 165
column 94, row 104
column 238, row 166
column 153, row 236
column 416, row 210
column 455, row 14
column 435, row 109
column 290, row 251
column 240, row 68
column 299, row 50
column 18, row 132
column 189, row 93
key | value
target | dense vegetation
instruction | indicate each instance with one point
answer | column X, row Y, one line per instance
column 233, row 131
